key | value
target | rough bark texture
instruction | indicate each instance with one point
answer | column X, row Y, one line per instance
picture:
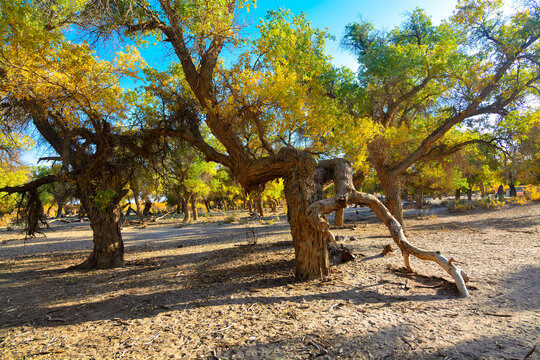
column 108, row 250
column 301, row 190
column 458, row 194
column 339, row 217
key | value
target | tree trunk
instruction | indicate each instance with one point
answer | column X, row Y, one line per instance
column 392, row 191
column 147, row 207
column 178, row 208
column 339, row 217
column 250, row 206
column 273, row 205
column 185, row 210
column 513, row 192
column 469, row 194
column 458, row 194
column 108, row 251
column 419, row 199
column 482, row 189
column 194, row 209
column 310, row 244
column 138, row 210
column 207, row 205
column 259, row 203
column 500, row 193
column 60, row 210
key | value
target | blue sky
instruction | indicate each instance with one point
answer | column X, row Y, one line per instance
column 333, row 15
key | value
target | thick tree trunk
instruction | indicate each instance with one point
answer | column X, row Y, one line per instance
column 194, row 209
column 458, row 194
column 339, row 217
column 482, row 189
column 179, row 208
column 207, row 205
column 310, row 244
column 469, row 194
column 419, row 199
column 392, row 191
column 259, row 203
column 378, row 153
column 60, row 210
column 500, row 193
column 513, row 192
column 108, row 251
column 250, row 206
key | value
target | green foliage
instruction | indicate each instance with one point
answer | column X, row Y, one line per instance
column 105, row 199
column 11, row 177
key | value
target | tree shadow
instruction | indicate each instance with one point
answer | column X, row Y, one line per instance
column 392, row 342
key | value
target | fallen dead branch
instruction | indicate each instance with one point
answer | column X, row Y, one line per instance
column 341, row 172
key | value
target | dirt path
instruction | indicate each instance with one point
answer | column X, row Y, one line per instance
column 201, row 292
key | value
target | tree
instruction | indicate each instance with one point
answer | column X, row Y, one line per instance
column 186, row 176
column 75, row 103
column 276, row 90
column 419, row 81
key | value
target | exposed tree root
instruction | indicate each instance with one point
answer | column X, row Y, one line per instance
column 341, row 172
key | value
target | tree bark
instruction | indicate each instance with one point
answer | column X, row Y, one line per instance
column 194, row 209
column 147, row 207
column 419, row 199
column 207, row 205
column 513, row 192
column 60, row 209
column 392, row 191
column 138, row 210
column 469, row 194
column 185, row 210
column 259, row 204
column 458, row 194
column 310, row 248
column 482, row 189
column 108, row 250
column 339, row 217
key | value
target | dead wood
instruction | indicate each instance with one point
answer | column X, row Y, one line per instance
column 341, row 172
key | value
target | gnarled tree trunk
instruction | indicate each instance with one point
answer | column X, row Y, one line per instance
column 104, row 211
column 301, row 190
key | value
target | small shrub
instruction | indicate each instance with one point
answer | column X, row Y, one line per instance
column 230, row 219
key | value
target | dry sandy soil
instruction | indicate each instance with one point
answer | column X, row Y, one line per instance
column 200, row 292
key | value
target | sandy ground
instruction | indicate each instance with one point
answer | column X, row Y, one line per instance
column 200, row 292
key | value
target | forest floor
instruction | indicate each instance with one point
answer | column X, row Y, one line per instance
column 201, row 292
